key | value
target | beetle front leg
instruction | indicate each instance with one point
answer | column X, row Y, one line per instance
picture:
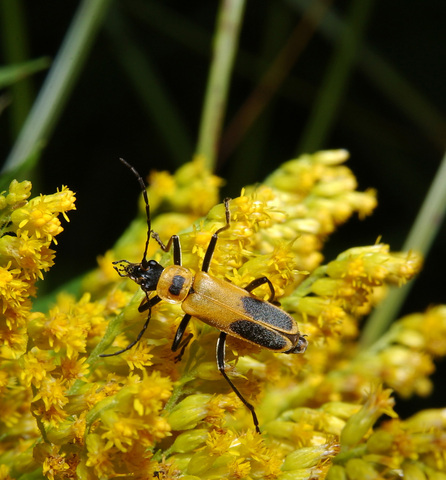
column 221, row 342
column 173, row 240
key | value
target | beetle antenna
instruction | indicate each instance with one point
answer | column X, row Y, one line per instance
column 146, row 201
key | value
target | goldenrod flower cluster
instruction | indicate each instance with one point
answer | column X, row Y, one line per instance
column 27, row 229
column 68, row 413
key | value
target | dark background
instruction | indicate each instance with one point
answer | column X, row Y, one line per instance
column 392, row 148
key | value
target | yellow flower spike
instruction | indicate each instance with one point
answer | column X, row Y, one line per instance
column 121, row 416
column 379, row 402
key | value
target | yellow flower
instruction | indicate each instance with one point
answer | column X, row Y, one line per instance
column 39, row 216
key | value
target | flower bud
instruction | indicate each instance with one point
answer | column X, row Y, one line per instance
column 189, row 412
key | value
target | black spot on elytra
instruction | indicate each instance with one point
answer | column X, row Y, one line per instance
column 267, row 313
column 258, row 334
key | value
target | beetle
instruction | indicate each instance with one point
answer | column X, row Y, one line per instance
column 231, row 309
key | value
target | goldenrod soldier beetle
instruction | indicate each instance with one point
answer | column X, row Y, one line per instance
column 232, row 310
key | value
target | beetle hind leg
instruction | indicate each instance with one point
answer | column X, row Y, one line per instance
column 221, row 366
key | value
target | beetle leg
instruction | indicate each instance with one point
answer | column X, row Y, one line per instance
column 221, row 342
column 175, row 240
column 178, row 341
column 211, row 247
column 146, row 304
column 261, row 281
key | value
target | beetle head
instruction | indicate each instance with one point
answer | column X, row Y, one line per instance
column 301, row 345
column 145, row 276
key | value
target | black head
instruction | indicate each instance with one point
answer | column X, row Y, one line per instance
column 145, row 276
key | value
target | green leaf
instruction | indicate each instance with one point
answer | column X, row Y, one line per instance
column 11, row 74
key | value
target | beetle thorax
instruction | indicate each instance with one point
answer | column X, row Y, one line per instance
column 175, row 283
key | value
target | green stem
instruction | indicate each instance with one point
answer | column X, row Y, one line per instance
column 225, row 46
column 420, row 239
column 59, row 82
column 39, row 421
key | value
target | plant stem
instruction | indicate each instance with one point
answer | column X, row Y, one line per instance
column 58, row 83
column 420, row 239
column 225, row 46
